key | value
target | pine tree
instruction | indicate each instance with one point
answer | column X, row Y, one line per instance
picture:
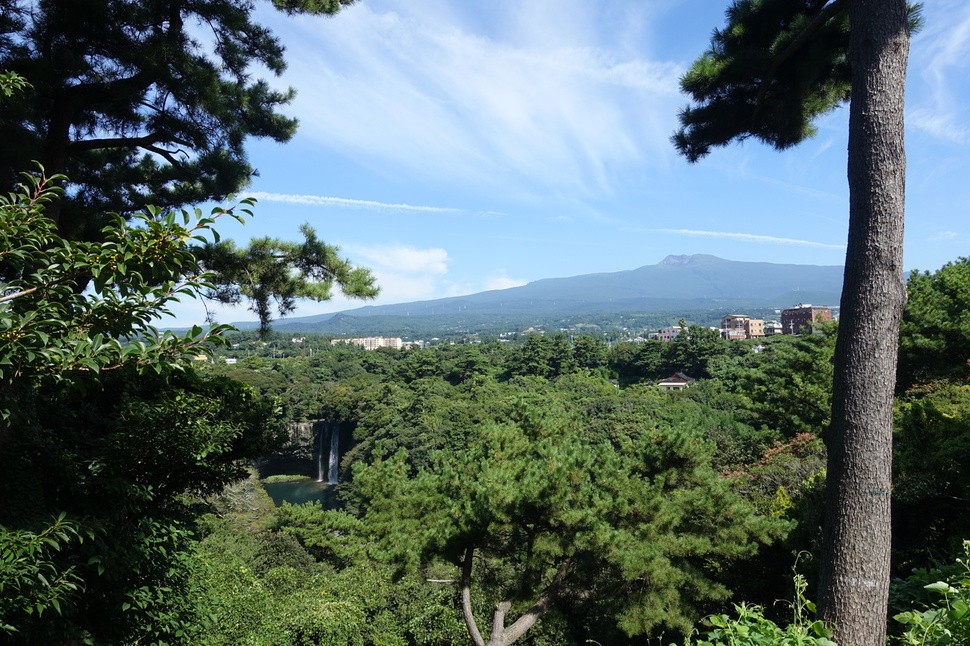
column 535, row 517
column 150, row 102
column 139, row 102
column 776, row 66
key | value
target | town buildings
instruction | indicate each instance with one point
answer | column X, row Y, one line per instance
column 668, row 333
column 372, row 342
column 772, row 328
column 794, row 320
column 739, row 326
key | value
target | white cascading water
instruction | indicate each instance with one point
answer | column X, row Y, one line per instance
column 320, row 455
column 334, row 454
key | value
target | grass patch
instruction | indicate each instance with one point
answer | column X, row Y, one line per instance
column 284, row 478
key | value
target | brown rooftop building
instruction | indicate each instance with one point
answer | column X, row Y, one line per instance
column 799, row 319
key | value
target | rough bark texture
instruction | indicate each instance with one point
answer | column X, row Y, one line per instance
column 854, row 583
column 466, row 598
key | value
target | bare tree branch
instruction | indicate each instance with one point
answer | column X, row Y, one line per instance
column 10, row 297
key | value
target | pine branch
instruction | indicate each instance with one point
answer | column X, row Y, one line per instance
column 147, row 142
column 827, row 13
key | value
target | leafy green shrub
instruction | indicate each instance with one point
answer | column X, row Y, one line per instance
column 30, row 581
column 750, row 627
column 945, row 617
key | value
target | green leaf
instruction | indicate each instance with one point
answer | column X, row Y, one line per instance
column 939, row 586
column 820, row 629
column 718, row 620
column 958, row 610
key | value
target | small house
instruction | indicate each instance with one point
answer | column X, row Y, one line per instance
column 678, row 381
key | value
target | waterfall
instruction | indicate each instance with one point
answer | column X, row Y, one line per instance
column 334, row 454
column 328, row 461
column 320, row 455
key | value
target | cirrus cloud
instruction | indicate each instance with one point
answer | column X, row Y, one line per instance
column 404, row 89
column 340, row 202
column 751, row 237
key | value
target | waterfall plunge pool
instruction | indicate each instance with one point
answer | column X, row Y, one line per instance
column 297, row 492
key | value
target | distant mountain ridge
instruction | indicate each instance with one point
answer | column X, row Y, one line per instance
column 678, row 281
column 686, row 279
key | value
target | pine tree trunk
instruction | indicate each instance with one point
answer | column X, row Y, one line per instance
column 854, row 583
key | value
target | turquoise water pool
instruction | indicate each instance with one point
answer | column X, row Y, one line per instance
column 298, row 492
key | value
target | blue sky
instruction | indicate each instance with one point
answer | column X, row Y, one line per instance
column 455, row 146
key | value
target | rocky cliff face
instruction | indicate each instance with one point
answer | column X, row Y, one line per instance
column 298, row 455
column 302, row 438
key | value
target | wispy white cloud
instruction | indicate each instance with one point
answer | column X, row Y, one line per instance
column 751, row 237
column 940, row 54
column 484, row 107
column 940, row 123
column 944, row 236
column 402, row 258
column 815, row 193
column 339, row 202
column 463, row 287
column 404, row 273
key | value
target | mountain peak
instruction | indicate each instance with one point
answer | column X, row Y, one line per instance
column 695, row 259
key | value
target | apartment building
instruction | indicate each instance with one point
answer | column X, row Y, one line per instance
column 372, row 342
column 740, row 326
column 772, row 328
column 668, row 333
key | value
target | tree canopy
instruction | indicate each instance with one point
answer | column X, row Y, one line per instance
column 775, row 67
column 459, row 411
column 104, row 427
column 935, row 339
column 539, row 517
column 51, row 331
column 271, row 270
column 140, row 102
